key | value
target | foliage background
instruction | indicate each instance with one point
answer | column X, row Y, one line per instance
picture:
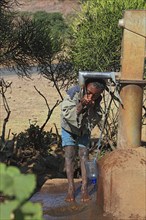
column 96, row 37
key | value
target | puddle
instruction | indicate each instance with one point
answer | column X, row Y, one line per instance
column 55, row 207
column 72, row 209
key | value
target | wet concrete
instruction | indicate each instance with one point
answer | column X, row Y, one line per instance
column 52, row 196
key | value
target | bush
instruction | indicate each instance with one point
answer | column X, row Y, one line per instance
column 96, row 37
column 16, row 189
column 35, row 139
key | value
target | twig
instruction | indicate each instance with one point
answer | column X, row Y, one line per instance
column 50, row 111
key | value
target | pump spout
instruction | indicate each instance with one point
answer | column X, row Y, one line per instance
column 83, row 75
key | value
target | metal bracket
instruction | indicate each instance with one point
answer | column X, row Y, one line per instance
column 129, row 82
column 100, row 75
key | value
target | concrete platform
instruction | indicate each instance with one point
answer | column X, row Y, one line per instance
column 52, row 195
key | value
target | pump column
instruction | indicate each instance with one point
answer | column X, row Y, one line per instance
column 132, row 69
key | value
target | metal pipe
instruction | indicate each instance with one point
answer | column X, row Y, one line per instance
column 129, row 126
column 101, row 75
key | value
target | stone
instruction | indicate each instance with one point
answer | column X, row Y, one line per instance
column 122, row 184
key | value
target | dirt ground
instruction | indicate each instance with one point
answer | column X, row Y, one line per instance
column 27, row 105
column 65, row 7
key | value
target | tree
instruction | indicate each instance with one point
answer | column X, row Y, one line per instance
column 28, row 40
column 58, row 67
column 96, row 38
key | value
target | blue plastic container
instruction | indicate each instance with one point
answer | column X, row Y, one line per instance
column 92, row 172
column 94, row 180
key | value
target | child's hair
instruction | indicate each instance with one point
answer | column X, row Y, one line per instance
column 98, row 83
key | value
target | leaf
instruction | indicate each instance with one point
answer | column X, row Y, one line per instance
column 19, row 187
column 6, row 185
column 13, row 171
column 2, row 168
column 13, row 183
column 24, row 186
column 7, row 208
column 32, row 211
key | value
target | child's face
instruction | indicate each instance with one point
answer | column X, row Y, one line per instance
column 92, row 92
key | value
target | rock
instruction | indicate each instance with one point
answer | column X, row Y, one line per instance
column 122, row 184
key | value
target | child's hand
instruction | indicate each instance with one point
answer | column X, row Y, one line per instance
column 86, row 101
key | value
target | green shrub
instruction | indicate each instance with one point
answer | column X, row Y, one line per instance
column 96, row 37
column 35, row 139
column 16, row 189
column 53, row 24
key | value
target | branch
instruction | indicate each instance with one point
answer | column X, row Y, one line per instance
column 4, row 86
column 50, row 111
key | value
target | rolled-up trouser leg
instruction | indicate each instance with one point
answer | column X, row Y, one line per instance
column 69, row 166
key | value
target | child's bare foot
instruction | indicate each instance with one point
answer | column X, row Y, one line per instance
column 85, row 196
column 70, row 196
